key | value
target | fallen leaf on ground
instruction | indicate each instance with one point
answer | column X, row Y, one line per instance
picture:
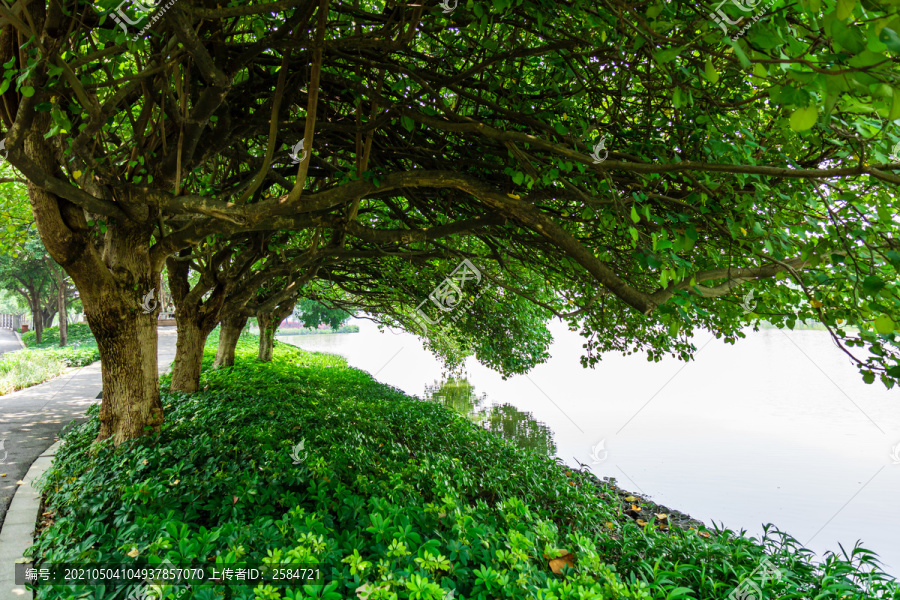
column 662, row 516
column 641, row 522
column 630, row 499
column 134, row 553
column 557, row 564
column 636, row 507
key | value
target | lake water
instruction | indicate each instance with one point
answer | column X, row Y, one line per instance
column 778, row 428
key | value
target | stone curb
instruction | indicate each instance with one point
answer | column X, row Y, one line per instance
column 18, row 528
column 19, row 338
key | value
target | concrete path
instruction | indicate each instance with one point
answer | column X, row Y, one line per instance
column 30, row 421
column 9, row 341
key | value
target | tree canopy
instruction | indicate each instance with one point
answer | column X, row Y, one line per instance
column 635, row 169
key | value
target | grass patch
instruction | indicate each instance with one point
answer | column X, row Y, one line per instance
column 392, row 498
column 22, row 369
column 41, row 362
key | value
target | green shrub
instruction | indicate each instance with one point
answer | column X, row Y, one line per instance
column 75, row 333
column 391, row 497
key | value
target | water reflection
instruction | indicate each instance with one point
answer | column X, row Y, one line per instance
column 505, row 420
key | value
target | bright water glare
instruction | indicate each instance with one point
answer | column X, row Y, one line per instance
column 778, row 428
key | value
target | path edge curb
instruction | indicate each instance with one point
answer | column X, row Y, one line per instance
column 17, row 534
column 19, row 338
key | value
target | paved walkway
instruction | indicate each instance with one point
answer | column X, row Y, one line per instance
column 31, row 419
column 8, row 343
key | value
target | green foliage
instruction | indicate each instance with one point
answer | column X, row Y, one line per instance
column 312, row 314
column 402, row 498
column 75, row 333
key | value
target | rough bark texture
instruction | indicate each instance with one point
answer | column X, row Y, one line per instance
column 195, row 319
column 267, row 327
column 229, row 333
column 127, row 347
column 269, row 321
column 188, row 356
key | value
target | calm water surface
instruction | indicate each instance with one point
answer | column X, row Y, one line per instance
column 778, row 428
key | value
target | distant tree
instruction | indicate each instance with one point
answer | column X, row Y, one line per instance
column 313, row 313
column 28, row 271
column 26, row 268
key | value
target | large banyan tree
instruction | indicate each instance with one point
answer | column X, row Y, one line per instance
column 634, row 167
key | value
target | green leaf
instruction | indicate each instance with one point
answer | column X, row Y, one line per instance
column 895, row 105
column 804, row 118
column 664, row 56
column 872, row 284
column 711, row 74
column 889, row 38
column 4, row 86
column 844, row 8
column 742, row 57
column 518, row 177
column 634, row 215
column 27, row 91
column 407, row 123
column 884, row 325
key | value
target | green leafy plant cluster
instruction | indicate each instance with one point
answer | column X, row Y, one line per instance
column 76, row 333
column 391, row 498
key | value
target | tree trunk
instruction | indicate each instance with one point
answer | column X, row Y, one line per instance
column 188, row 354
column 47, row 314
column 230, row 332
column 269, row 321
column 131, row 402
column 37, row 316
column 195, row 318
column 267, row 327
column 61, row 299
